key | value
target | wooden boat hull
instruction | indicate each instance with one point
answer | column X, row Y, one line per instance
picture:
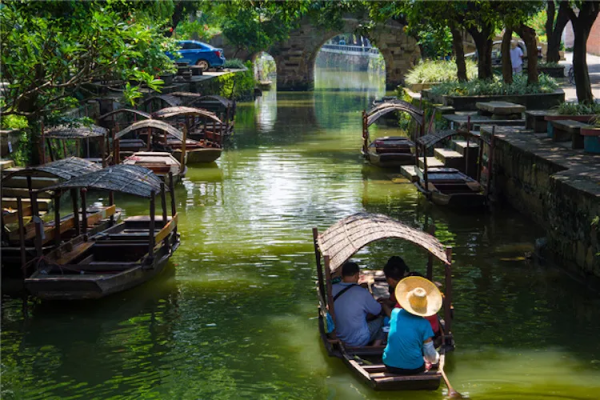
column 375, row 375
column 390, row 160
column 81, row 287
column 199, row 156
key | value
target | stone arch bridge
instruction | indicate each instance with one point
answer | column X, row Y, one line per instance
column 296, row 56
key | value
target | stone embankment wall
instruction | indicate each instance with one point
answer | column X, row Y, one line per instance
column 557, row 187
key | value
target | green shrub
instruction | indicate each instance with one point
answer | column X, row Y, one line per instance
column 577, row 109
column 549, row 65
column 234, row 63
column 431, row 71
column 496, row 86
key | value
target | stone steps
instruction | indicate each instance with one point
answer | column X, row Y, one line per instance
column 432, row 162
column 450, row 158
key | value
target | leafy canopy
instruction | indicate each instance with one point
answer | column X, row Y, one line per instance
column 50, row 49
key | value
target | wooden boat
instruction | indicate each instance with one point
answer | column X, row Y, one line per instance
column 393, row 151
column 163, row 164
column 82, row 135
column 22, row 236
column 223, row 108
column 198, row 124
column 333, row 248
column 264, row 85
column 121, row 257
column 449, row 186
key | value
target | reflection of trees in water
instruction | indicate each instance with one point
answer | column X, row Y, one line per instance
column 117, row 339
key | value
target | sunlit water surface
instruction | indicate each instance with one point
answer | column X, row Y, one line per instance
column 234, row 317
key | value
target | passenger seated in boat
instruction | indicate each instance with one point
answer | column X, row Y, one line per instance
column 410, row 340
column 395, row 270
column 353, row 305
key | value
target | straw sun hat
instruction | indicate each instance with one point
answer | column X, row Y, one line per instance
column 419, row 296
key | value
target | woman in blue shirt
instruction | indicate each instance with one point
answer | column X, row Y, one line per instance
column 410, row 336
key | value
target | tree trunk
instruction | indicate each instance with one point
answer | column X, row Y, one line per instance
column 554, row 30
column 580, row 68
column 506, row 64
column 582, row 26
column 459, row 54
column 527, row 33
column 178, row 15
column 483, row 42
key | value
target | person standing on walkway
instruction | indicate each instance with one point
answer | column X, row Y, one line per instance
column 516, row 58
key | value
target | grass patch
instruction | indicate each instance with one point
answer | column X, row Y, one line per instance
column 578, row 109
column 234, row 63
column 433, row 71
column 496, row 87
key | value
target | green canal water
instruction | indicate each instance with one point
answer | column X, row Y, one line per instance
column 235, row 315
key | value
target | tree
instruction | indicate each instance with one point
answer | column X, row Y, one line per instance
column 515, row 16
column 555, row 25
column 436, row 16
column 51, row 49
column 582, row 25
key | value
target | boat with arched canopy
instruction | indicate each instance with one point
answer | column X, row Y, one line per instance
column 450, row 186
column 337, row 245
column 390, row 151
column 126, row 254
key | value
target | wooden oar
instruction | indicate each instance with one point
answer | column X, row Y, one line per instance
column 453, row 394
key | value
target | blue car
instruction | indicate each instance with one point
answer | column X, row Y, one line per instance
column 200, row 54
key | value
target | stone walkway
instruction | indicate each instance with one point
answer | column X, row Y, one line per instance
column 594, row 71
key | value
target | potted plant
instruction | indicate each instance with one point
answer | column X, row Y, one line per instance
column 591, row 136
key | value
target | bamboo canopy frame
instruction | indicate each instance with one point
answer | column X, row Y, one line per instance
column 387, row 107
column 74, row 132
column 129, row 179
column 66, row 168
column 346, row 237
column 151, row 123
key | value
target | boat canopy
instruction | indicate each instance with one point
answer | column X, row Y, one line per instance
column 125, row 110
column 130, row 179
column 435, row 137
column 343, row 239
column 171, row 100
column 190, row 95
column 394, row 105
column 176, row 111
column 65, row 169
column 151, row 123
column 77, row 131
column 225, row 102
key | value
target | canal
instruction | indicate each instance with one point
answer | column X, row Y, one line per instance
column 235, row 316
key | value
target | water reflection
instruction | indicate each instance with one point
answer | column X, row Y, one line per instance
column 237, row 319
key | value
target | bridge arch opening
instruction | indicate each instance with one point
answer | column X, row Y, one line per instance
column 265, row 68
column 348, row 52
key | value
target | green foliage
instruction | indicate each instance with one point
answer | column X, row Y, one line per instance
column 234, row 63
column 435, row 43
column 203, row 28
column 538, row 22
column 13, row 122
column 47, row 57
column 549, row 65
column 496, row 87
column 567, row 108
column 431, row 71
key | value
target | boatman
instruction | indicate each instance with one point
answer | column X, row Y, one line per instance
column 410, row 340
column 353, row 304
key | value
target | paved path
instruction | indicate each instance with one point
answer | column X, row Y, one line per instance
column 594, row 71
